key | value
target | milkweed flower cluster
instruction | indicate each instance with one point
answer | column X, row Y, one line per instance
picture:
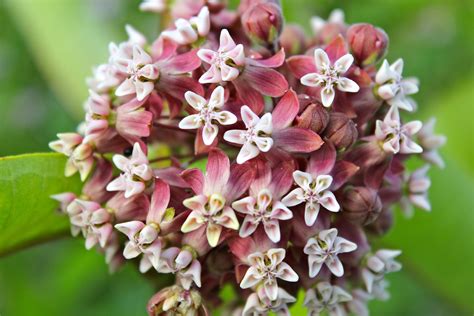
column 233, row 149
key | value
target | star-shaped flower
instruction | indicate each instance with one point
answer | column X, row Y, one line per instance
column 265, row 269
column 379, row 264
column 397, row 138
column 313, row 190
column 324, row 248
column 209, row 114
column 189, row 31
column 259, row 304
column 417, row 185
column 430, row 142
column 142, row 74
column 329, row 76
column 393, row 88
column 225, row 62
column 256, row 138
column 136, row 172
column 181, row 263
column 326, row 297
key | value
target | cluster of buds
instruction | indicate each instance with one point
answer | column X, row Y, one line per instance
column 235, row 150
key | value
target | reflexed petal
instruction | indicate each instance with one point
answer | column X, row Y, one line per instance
column 327, row 96
column 311, row 213
column 248, row 227
column 301, row 65
column 297, row 140
column 130, row 228
column 131, row 251
column 228, row 73
column 347, row 85
column 212, row 75
column 192, row 121
column 329, row 202
column 207, row 55
column 344, row 63
column 311, row 80
column 286, row 110
column 126, row 87
column 193, row 222
column 195, row 100
column 213, row 233
column 321, row 59
column 294, row 198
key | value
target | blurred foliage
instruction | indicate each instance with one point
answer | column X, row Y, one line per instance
column 48, row 47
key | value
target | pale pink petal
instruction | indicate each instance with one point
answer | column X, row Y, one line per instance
column 247, row 152
column 249, row 118
column 311, row 213
column 327, row 96
column 286, row 273
column 272, row 229
column 321, row 59
column 228, row 73
column 228, row 219
column 235, row 136
column 347, row 85
column 303, row 179
column 251, row 278
column 397, row 66
column 216, row 101
column 209, row 133
column 329, row 202
column 281, row 212
column 294, row 198
column 207, row 55
column 131, row 251
column 323, row 182
column 193, row 222
column 212, row 75
column 226, row 42
column 195, row 100
column 237, row 55
column 117, row 184
column 248, row 227
column 192, row 121
column 213, row 233
column 384, row 74
column 344, row 63
column 314, row 266
column 226, row 118
column 245, row 205
column 335, row 265
column 271, row 289
column 311, row 80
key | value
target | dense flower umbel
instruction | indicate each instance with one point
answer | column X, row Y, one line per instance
column 304, row 147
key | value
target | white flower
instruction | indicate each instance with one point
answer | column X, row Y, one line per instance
column 329, row 76
column 104, row 77
column 265, row 269
column 397, row 138
column 335, row 17
column 259, row 304
column 209, row 114
column 417, row 185
column 314, row 192
column 225, row 62
column 326, row 297
column 181, row 262
column 135, row 173
column 257, row 137
column 393, row 88
column 143, row 239
column 324, row 248
column 358, row 305
column 379, row 264
column 141, row 74
column 431, row 143
column 189, row 31
column 155, row 6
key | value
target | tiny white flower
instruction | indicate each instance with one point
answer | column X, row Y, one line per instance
column 314, row 192
column 209, row 114
column 265, row 269
column 335, row 17
column 189, row 31
column 431, row 143
column 326, row 297
column 324, row 248
column 183, row 265
column 329, row 76
column 379, row 264
column 257, row 138
column 135, row 173
column 393, row 88
column 259, row 304
column 397, row 138
column 417, row 185
column 141, row 74
column 155, row 6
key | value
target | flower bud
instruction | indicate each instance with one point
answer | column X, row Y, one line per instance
column 368, row 44
column 361, row 205
column 314, row 117
column 293, row 39
column 263, row 22
column 383, row 223
column 341, row 130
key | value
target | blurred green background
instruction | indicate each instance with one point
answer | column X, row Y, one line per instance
column 48, row 47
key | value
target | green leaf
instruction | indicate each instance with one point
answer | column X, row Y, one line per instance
column 27, row 213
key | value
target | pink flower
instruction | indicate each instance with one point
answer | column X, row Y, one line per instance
column 182, row 263
column 142, row 74
column 264, row 205
column 265, row 269
column 324, row 249
column 189, row 31
column 397, row 138
column 133, row 121
column 329, row 76
column 209, row 114
column 215, row 191
column 97, row 115
column 144, row 238
column 135, row 173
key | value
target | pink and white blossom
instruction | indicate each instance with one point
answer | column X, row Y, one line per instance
column 395, row 137
column 326, row 297
column 209, row 114
column 395, row 89
column 324, row 248
column 430, row 142
column 191, row 30
column 136, row 172
column 379, row 264
column 265, row 269
column 260, row 304
column 329, row 76
column 181, row 263
column 417, row 186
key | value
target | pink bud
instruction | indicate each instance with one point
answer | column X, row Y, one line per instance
column 368, row 43
column 293, row 39
column 361, row 205
column 341, row 130
column 314, row 117
column 263, row 22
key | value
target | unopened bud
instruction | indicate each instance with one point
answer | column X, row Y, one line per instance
column 293, row 39
column 383, row 223
column 361, row 205
column 315, row 117
column 341, row 130
column 263, row 22
column 368, row 43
